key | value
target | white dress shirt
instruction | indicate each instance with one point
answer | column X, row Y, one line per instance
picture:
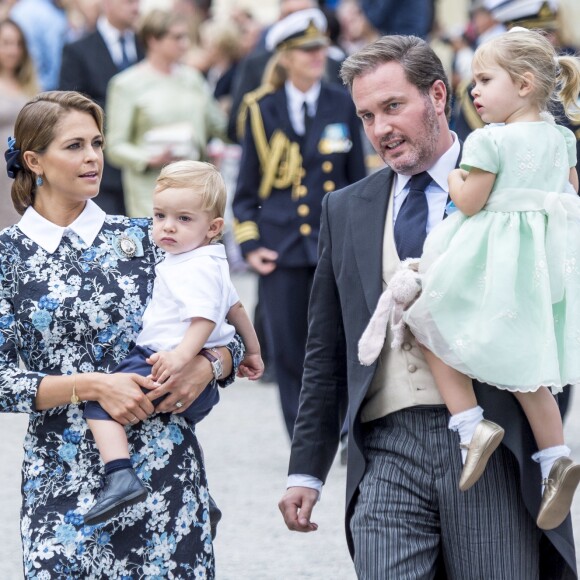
column 437, row 191
column 111, row 36
column 296, row 99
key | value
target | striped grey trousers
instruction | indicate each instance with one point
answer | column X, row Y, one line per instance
column 410, row 513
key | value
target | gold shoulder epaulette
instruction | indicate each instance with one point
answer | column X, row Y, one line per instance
column 280, row 159
column 259, row 93
column 250, row 98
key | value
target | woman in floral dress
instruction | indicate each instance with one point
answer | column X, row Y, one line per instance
column 73, row 285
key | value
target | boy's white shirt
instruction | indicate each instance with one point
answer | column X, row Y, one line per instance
column 189, row 285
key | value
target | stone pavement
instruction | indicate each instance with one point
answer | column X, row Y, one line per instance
column 246, row 452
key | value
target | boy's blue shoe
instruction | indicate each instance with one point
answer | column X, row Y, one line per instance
column 121, row 489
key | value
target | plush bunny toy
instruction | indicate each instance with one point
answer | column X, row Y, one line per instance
column 404, row 287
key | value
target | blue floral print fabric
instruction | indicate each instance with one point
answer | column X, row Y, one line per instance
column 74, row 311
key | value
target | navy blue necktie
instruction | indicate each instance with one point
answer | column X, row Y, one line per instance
column 125, row 62
column 307, row 118
column 411, row 222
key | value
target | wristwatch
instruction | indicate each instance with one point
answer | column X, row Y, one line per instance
column 215, row 361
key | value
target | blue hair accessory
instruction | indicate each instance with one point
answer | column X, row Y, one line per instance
column 12, row 156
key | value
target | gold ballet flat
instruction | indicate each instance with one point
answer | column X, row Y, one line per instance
column 485, row 440
column 558, row 493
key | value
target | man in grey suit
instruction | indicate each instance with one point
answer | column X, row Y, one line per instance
column 405, row 515
column 89, row 64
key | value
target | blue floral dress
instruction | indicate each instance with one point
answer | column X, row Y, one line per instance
column 79, row 310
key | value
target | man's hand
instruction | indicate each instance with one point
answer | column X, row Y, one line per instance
column 296, row 506
column 262, row 260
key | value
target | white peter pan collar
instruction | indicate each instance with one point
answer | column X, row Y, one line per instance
column 48, row 235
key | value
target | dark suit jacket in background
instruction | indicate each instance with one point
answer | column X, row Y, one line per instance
column 347, row 287
column 396, row 17
column 87, row 67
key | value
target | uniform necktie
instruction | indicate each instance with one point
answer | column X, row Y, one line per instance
column 307, row 118
column 125, row 62
column 411, row 222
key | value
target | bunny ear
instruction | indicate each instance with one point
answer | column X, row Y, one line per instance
column 373, row 338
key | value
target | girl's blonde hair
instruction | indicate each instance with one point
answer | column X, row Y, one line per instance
column 520, row 51
column 203, row 179
column 25, row 72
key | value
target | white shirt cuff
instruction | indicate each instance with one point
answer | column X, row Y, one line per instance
column 302, row 480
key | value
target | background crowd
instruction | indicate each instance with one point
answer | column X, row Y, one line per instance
column 173, row 77
column 220, row 50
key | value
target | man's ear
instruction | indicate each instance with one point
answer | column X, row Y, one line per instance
column 215, row 227
column 438, row 95
column 526, row 84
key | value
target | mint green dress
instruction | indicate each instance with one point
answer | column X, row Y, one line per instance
column 501, row 289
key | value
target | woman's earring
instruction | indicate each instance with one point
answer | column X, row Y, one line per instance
column 39, row 180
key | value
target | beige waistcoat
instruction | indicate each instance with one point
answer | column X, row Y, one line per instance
column 402, row 378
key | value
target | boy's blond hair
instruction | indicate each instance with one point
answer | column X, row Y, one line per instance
column 202, row 178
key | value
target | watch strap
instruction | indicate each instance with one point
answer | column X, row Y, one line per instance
column 216, row 363
column 208, row 355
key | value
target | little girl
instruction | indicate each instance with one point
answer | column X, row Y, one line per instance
column 192, row 297
column 501, row 277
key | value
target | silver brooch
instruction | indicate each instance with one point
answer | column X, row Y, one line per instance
column 127, row 246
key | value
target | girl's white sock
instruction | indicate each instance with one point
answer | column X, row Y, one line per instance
column 465, row 423
column 547, row 457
